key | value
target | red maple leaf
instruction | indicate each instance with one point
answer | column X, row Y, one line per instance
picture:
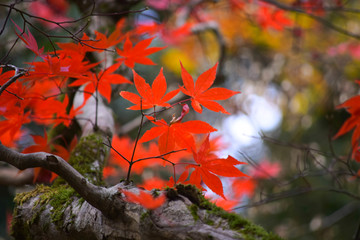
column 30, row 41
column 209, row 166
column 153, row 183
column 273, row 18
column 265, row 170
column 99, row 44
column 50, row 10
column 101, row 82
column 53, row 111
column 15, row 117
column 353, row 107
column 149, row 96
column 225, row 204
column 102, row 42
column 243, row 187
column 181, row 179
column 144, row 199
column 138, row 53
column 176, row 133
column 109, row 171
column 8, row 99
column 201, row 94
column 14, row 112
column 59, row 67
column 148, row 28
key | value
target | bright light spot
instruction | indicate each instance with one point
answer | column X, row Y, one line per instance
column 266, row 115
column 262, row 114
column 240, row 130
column 315, row 223
column 307, row 70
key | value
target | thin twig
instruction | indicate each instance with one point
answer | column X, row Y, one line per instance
column 19, row 72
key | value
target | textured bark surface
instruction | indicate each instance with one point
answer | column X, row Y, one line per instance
column 176, row 219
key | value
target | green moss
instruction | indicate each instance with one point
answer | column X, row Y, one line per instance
column 60, row 199
column 90, row 149
column 191, row 192
column 171, row 194
column 144, row 215
column 249, row 230
column 193, row 210
column 209, row 222
column 60, row 195
column 236, row 222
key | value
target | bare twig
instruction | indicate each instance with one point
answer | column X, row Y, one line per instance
column 296, row 192
column 19, row 72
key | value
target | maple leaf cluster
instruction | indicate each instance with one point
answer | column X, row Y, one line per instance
column 43, row 95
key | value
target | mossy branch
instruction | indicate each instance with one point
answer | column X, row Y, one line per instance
column 99, row 197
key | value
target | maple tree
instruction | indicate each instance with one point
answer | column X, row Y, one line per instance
column 172, row 72
column 42, row 94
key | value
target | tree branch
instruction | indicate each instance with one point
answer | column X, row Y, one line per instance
column 99, row 197
column 19, row 72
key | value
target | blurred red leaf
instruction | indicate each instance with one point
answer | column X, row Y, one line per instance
column 153, row 183
column 269, row 17
column 51, row 10
column 243, row 187
column 265, row 170
column 144, row 199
